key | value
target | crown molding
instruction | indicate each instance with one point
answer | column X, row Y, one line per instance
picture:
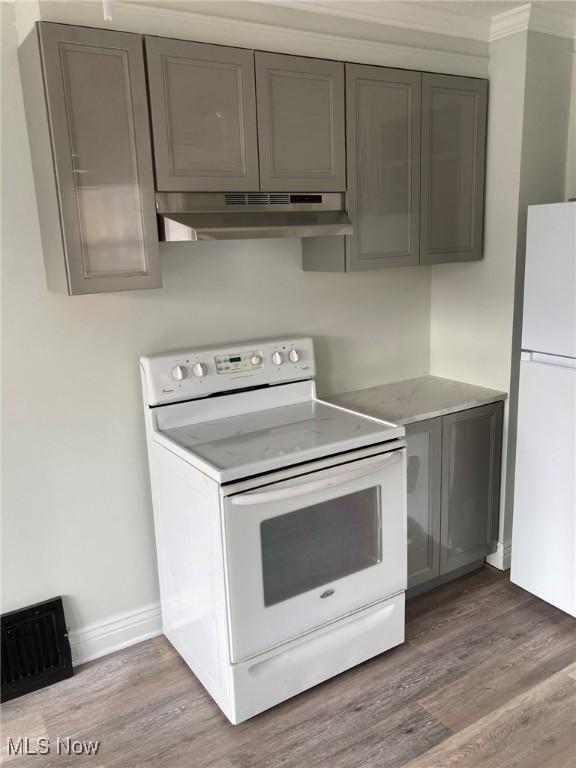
column 510, row 22
column 535, row 17
column 144, row 18
column 419, row 16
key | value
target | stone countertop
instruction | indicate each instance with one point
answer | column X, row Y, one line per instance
column 403, row 402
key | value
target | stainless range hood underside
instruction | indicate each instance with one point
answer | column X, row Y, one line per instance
column 233, row 216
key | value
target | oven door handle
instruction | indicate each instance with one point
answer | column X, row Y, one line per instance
column 292, row 491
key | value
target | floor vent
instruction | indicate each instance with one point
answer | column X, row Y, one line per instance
column 35, row 648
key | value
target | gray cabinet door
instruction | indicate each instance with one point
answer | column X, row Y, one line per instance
column 383, row 157
column 101, row 163
column 202, row 101
column 471, row 453
column 424, row 449
column 453, row 159
column 300, row 123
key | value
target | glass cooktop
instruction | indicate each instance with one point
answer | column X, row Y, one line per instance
column 276, row 437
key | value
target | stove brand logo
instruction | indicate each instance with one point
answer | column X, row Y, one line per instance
column 44, row 746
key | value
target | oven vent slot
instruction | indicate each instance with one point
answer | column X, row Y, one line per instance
column 35, row 648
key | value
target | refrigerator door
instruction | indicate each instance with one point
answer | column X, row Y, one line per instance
column 544, row 524
column 549, row 323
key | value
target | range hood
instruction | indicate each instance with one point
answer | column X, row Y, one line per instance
column 241, row 215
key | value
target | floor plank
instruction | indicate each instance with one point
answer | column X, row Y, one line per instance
column 473, row 645
column 535, row 728
column 545, row 648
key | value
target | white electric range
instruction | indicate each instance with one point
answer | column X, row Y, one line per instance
column 280, row 521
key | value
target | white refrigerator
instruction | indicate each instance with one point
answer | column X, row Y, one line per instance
column 544, row 521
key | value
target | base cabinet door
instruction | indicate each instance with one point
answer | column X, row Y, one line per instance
column 87, row 113
column 424, row 442
column 471, row 453
column 202, row 100
column 383, row 158
column 300, row 123
column 453, row 158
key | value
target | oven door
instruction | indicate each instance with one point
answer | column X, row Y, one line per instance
column 309, row 550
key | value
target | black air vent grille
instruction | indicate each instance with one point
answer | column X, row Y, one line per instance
column 256, row 198
column 35, row 648
column 235, row 198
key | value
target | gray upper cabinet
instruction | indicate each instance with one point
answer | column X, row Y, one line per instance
column 300, row 123
column 383, row 157
column 202, row 100
column 471, row 453
column 453, row 159
column 423, row 440
column 87, row 113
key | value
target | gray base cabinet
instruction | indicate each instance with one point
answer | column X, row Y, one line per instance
column 453, row 491
column 424, row 468
column 86, row 104
column 471, row 453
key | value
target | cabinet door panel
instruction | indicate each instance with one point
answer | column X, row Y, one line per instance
column 471, row 453
column 203, row 116
column 383, row 157
column 301, row 123
column 453, row 158
column 423, row 440
column 97, row 107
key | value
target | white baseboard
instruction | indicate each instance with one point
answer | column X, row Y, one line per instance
column 118, row 632
column 502, row 558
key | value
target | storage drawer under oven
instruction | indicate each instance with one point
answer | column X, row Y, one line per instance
column 309, row 550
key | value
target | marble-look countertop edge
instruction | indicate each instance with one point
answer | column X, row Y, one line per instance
column 353, row 400
column 501, row 397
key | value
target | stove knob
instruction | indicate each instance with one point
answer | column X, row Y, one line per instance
column 277, row 358
column 256, row 360
column 200, row 370
column 294, row 355
column 179, row 372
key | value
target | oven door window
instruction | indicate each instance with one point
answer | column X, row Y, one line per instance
column 316, row 545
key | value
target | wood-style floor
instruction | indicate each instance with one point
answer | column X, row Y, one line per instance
column 486, row 679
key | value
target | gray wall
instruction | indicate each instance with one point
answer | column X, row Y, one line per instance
column 76, row 507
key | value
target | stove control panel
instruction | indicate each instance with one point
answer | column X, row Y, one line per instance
column 195, row 373
column 233, row 363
